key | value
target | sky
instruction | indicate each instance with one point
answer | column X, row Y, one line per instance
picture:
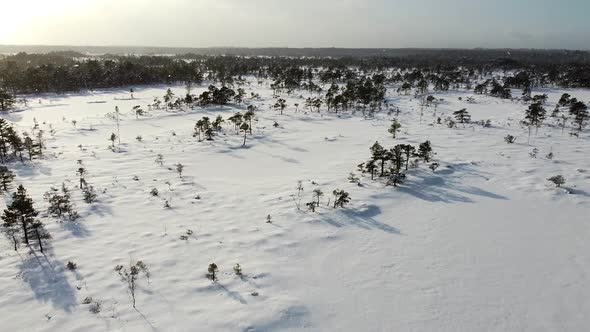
column 298, row 23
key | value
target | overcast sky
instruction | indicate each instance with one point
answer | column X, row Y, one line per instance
column 299, row 23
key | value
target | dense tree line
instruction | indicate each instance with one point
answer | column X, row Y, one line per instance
column 69, row 71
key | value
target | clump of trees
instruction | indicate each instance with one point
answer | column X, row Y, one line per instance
column 12, row 145
column 60, row 204
column 20, row 220
column 397, row 158
column 217, row 96
column 7, row 100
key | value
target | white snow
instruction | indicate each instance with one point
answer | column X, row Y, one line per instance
column 484, row 244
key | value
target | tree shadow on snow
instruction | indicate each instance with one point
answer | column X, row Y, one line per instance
column 234, row 295
column 292, row 318
column 78, row 229
column 362, row 217
column 47, row 279
column 445, row 185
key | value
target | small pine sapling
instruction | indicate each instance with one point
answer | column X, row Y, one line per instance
column 131, row 275
column 89, row 194
column 341, row 198
column 311, row 206
column 299, row 193
column 238, row 270
column 113, row 138
column 160, row 159
column 394, row 127
column 179, row 169
column 558, row 180
column 81, row 172
column 317, row 193
column 352, row 178
column 434, row 166
column 212, row 272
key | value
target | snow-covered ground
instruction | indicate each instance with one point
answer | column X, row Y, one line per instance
column 485, row 243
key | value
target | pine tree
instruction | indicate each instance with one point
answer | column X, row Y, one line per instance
column 317, row 193
column 248, row 116
column 379, row 154
column 21, row 212
column 212, row 271
column 397, row 157
column 394, row 127
column 60, row 203
column 409, row 150
column 341, row 198
column 113, row 138
column 6, row 100
column 15, row 142
column 4, row 128
column 82, row 174
column 29, row 146
column 371, row 167
column 425, row 151
column 244, row 127
column 462, row 116
column 581, row 117
column 6, row 177
column 535, row 115
column 558, row 180
column 130, row 276
column 280, row 105
column 179, row 169
column 40, row 142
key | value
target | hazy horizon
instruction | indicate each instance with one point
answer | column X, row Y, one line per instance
column 303, row 24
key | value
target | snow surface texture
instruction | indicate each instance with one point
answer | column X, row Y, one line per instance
column 484, row 244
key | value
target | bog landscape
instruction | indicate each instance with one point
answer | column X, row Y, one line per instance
column 292, row 189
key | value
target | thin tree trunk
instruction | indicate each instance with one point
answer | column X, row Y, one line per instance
column 15, row 242
column 39, row 239
column 24, row 225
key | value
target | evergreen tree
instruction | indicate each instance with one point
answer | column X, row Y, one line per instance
column 371, row 168
column 60, row 203
column 280, row 105
column 21, row 212
column 394, row 127
column 6, row 100
column 244, row 127
column 16, row 143
column 397, row 157
column 6, row 177
column 462, row 116
column 379, row 154
column 577, row 107
column 341, row 198
column 29, row 146
column 409, row 150
column 40, row 142
column 317, row 193
column 425, row 151
column 535, row 115
column 212, row 271
column 82, row 174
column 248, row 116
column 581, row 118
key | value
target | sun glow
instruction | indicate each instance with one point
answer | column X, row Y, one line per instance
column 22, row 18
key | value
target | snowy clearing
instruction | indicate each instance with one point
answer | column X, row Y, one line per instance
column 485, row 243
